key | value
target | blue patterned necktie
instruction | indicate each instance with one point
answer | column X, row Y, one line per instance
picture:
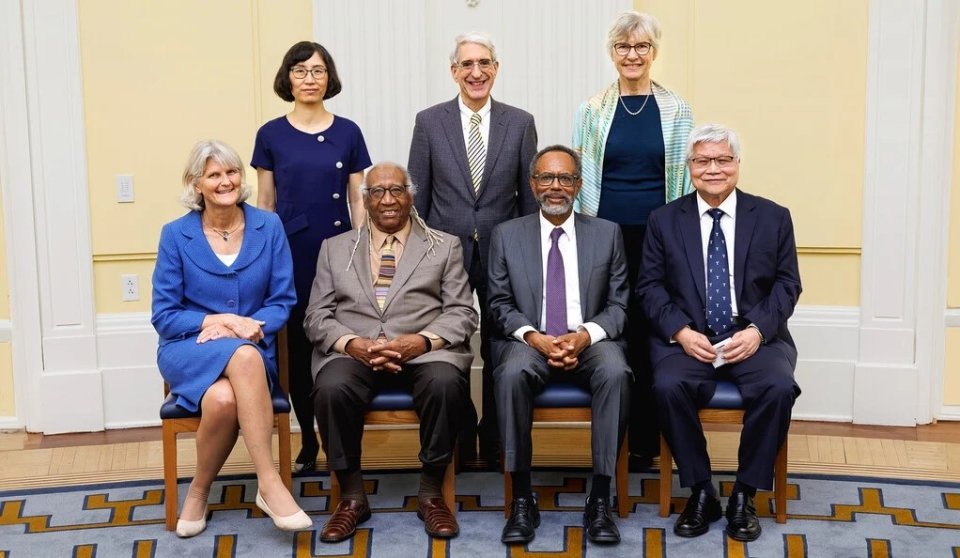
column 719, row 309
column 556, row 288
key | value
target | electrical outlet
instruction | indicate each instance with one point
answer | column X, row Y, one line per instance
column 125, row 188
column 130, row 287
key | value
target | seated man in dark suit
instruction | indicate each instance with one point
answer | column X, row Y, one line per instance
column 720, row 266
column 558, row 298
column 390, row 304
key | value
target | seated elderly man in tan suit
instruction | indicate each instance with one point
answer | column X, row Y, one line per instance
column 390, row 306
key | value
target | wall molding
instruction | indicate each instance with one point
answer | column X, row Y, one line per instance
column 5, row 331
column 130, row 257
column 949, row 412
column 829, row 250
column 951, row 318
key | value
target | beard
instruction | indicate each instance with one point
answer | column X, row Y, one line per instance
column 555, row 209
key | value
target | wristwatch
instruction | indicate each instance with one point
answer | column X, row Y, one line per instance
column 429, row 338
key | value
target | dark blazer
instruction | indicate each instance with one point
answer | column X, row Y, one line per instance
column 438, row 166
column 515, row 287
column 672, row 280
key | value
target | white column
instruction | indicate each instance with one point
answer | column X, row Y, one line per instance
column 46, row 206
column 909, row 128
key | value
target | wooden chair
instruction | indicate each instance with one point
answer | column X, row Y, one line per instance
column 561, row 402
column 726, row 407
column 177, row 420
column 395, row 407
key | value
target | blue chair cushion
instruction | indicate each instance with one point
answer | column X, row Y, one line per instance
column 727, row 396
column 170, row 410
column 562, row 395
column 391, row 399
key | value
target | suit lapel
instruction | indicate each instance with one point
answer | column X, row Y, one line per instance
column 453, row 129
column 413, row 252
column 531, row 252
column 745, row 222
column 361, row 266
column 498, row 130
column 254, row 241
column 689, row 226
column 585, row 255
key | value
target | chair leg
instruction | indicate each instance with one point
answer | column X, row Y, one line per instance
column 780, row 483
column 507, row 493
column 283, row 435
column 170, row 495
column 666, row 477
column 623, row 479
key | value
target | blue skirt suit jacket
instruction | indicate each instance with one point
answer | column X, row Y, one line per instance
column 190, row 282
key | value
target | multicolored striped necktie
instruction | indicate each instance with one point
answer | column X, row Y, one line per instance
column 476, row 152
column 388, row 267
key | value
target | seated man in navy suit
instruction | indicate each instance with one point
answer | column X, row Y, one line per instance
column 558, row 298
column 719, row 279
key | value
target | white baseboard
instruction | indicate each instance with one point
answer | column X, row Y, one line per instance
column 949, row 412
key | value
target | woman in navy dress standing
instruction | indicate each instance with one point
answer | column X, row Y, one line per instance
column 222, row 289
column 309, row 164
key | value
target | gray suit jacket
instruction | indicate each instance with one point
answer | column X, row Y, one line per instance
column 515, row 288
column 438, row 165
column 429, row 292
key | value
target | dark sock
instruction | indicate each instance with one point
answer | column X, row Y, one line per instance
column 431, row 481
column 521, row 484
column 351, row 484
column 600, row 487
column 706, row 486
column 745, row 488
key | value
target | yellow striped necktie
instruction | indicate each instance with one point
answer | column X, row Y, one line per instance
column 476, row 152
column 388, row 267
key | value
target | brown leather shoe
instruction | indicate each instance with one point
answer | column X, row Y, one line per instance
column 344, row 520
column 438, row 521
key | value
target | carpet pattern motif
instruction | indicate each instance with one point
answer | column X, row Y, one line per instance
column 828, row 516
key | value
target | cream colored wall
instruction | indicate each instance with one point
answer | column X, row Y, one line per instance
column 157, row 77
column 792, row 83
column 951, row 365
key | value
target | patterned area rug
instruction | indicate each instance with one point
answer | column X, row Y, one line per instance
column 828, row 517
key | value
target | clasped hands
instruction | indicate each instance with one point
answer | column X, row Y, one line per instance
column 562, row 351
column 384, row 355
column 743, row 344
column 217, row 326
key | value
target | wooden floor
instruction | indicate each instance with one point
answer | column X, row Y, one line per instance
column 930, row 452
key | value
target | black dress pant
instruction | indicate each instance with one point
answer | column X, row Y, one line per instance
column 683, row 384
column 299, row 354
column 344, row 388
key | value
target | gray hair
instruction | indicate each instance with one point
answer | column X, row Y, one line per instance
column 630, row 23
column 434, row 237
column 475, row 37
column 202, row 152
column 713, row 133
column 549, row 149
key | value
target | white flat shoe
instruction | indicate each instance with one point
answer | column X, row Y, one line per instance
column 187, row 529
column 295, row 522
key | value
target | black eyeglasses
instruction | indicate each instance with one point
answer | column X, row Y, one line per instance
column 396, row 191
column 467, row 65
column 722, row 161
column 546, row 179
column 300, row 72
column 624, row 49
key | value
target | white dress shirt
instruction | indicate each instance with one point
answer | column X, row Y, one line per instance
column 465, row 114
column 567, row 243
column 728, row 222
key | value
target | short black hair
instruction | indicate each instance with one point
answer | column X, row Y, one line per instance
column 550, row 149
column 298, row 53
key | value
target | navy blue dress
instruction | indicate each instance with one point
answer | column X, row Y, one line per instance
column 633, row 163
column 310, row 174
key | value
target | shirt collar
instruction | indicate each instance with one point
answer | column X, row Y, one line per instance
column 377, row 237
column 728, row 206
column 546, row 227
column 467, row 112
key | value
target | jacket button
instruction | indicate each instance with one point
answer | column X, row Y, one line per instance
column 336, row 223
column 320, row 139
column 336, row 195
column 339, row 165
column 231, row 303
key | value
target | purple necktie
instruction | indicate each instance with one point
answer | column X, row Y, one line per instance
column 719, row 309
column 556, row 290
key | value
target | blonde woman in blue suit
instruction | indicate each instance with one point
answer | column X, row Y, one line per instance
column 222, row 289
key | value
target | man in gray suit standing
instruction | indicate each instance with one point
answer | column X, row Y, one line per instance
column 469, row 157
column 390, row 306
column 558, row 298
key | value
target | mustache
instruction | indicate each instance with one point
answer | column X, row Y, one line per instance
column 555, row 209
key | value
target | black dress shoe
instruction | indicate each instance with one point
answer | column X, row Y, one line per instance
column 742, row 522
column 598, row 522
column 700, row 511
column 524, row 519
column 306, row 460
